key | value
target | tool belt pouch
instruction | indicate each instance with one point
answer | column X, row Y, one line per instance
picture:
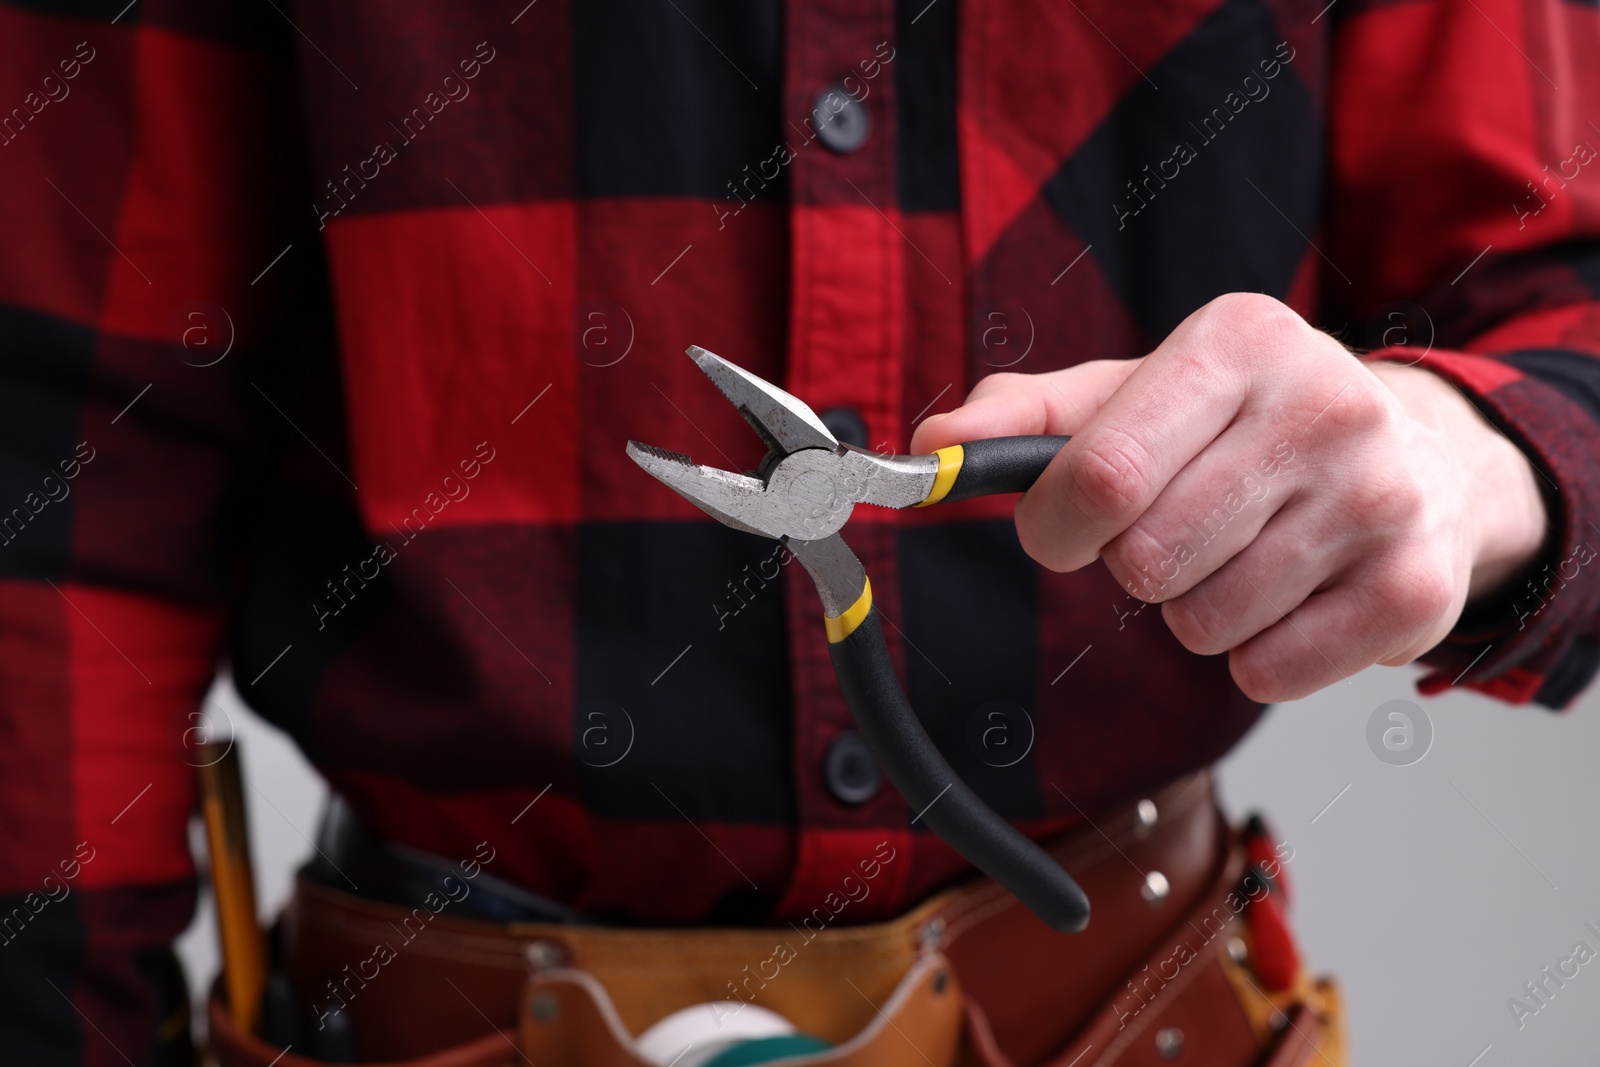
column 1204, row 973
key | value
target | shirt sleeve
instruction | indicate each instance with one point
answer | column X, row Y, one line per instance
column 153, row 210
column 1464, row 223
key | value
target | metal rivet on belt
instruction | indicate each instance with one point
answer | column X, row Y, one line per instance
column 1238, row 951
column 544, row 1008
column 931, row 936
column 1146, row 814
column 1155, row 888
column 543, row 955
column 1169, row 1042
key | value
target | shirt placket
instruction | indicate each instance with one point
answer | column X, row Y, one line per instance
column 846, row 331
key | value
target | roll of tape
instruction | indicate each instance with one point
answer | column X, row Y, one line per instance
column 723, row 1033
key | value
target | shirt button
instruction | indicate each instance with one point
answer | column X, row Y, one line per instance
column 850, row 770
column 846, row 425
column 841, row 119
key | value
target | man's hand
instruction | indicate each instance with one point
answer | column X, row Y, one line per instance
column 1308, row 513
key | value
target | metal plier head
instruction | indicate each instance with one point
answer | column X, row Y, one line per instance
column 806, row 485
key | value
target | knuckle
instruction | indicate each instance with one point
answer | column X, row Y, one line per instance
column 1255, row 322
column 1395, row 501
column 1359, row 407
column 1197, row 624
column 1110, row 476
column 1403, row 502
column 1418, row 594
column 1137, row 559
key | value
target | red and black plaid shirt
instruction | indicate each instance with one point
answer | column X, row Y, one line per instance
column 322, row 327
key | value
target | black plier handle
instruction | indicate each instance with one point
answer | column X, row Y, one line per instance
column 991, row 467
column 885, row 716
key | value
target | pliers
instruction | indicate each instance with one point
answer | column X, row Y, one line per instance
column 802, row 494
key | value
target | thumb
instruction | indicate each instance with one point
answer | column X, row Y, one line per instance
column 1014, row 405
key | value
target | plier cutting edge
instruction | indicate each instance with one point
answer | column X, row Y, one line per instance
column 802, row 494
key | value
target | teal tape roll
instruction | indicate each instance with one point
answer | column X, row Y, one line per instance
column 767, row 1049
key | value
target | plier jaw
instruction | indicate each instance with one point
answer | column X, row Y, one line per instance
column 802, row 493
column 731, row 499
column 780, row 419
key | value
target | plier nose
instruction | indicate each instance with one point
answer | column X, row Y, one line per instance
column 802, row 494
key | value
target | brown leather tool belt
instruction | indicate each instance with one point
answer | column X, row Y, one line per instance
column 969, row 977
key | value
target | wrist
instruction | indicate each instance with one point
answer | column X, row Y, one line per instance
column 1504, row 508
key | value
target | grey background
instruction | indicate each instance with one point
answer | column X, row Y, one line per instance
column 1434, row 891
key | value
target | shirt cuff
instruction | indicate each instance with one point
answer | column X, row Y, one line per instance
column 1539, row 644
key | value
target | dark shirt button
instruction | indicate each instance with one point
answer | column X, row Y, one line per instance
column 846, row 425
column 850, row 770
column 840, row 119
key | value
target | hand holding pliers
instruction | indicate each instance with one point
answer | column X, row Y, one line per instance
column 802, row 494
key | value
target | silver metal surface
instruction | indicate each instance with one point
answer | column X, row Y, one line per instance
column 1155, row 888
column 720, row 494
column 543, row 955
column 786, row 424
column 891, row 481
column 1147, row 813
column 1169, row 1042
column 815, row 490
column 838, row 575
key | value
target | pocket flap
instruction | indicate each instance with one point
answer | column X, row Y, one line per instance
column 569, row 1018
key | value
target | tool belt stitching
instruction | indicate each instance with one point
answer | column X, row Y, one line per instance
column 974, row 908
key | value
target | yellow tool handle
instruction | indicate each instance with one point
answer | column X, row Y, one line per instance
column 244, row 957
